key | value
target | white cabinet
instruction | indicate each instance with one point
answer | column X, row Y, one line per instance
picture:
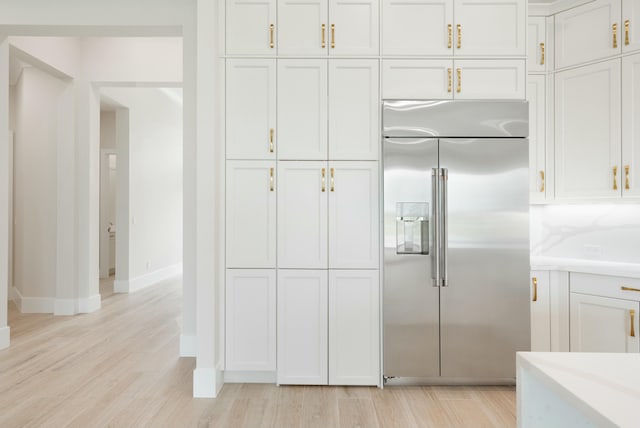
column 354, row 327
column 630, row 23
column 353, row 215
column 536, row 44
column 302, row 215
column 302, row 327
column 250, row 214
column 630, row 173
column 321, row 27
column 354, row 109
column 587, row 132
column 536, row 92
column 540, row 312
column 250, row 27
column 588, row 32
column 417, row 79
column 603, row 324
column 302, row 109
column 250, row 327
column 250, row 109
column 489, row 79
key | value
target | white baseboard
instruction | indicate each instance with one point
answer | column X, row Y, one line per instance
column 143, row 281
column 249, row 377
column 50, row 305
column 33, row 305
column 207, row 382
column 87, row 305
column 188, row 345
column 4, row 337
column 64, row 307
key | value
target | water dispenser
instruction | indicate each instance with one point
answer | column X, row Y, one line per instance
column 412, row 228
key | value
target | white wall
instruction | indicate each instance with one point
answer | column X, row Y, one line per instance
column 107, row 191
column 108, row 130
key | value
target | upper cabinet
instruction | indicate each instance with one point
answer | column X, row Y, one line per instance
column 630, row 126
column 536, row 93
column 353, row 28
column 251, row 27
column 631, row 25
column 537, row 48
column 461, row 28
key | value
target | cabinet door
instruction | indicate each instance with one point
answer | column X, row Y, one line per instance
column 250, row 327
column 417, row 79
column 353, row 109
column 353, row 215
column 353, row 28
column 251, row 108
column 302, row 109
column 603, row 324
column 630, row 22
column 536, row 92
column 631, row 126
column 302, row 327
column 586, row 33
column 489, row 79
column 251, row 214
column 302, row 215
column 587, row 132
column 490, row 28
column 249, row 30
column 300, row 27
column 540, row 312
column 536, row 44
column 417, row 27
column 354, row 327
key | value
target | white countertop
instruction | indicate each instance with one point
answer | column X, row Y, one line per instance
column 598, row 267
column 604, row 387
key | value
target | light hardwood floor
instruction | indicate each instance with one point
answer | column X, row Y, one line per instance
column 119, row 367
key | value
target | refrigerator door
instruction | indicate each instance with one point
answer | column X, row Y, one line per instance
column 485, row 305
column 411, row 302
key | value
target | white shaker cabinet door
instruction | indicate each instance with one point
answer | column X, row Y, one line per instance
column 353, row 215
column 603, row 324
column 490, row 28
column 354, row 327
column 417, row 27
column 302, row 214
column 540, row 312
column 536, row 93
column 588, row 32
column 353, row 109
column 631, row 126
column 302, row 327
column 489, row 79
column 302, row 109
column 631, row 25
column 587, row 132
column 251, row 108
column 353, row 27
column 250, row 312
column 417, row 79
column 303, row 27
column 251, row 27
column 536, row 44
column 251, row 214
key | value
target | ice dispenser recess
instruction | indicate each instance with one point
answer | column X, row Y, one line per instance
column 412, row 228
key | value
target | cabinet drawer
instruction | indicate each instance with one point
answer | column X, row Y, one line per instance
column 603, row 285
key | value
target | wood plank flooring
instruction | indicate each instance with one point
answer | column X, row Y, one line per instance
column 119, row 367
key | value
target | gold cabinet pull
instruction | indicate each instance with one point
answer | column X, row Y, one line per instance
column 626, row 33
column 450, row 78
column 459, row 86
column 623, row 288
column 450, row 40
column 459, row 45
column 541, row 53
column 615, row 178
column 541, row 181
column 271, row 187
column 615, row 36
column 324, row 28
column 632, row 315
column 332, row 180
column 626, row 178
column 333, row 36
column 271, row 28
column 271, row 147
column 323, row 179
column 534, row 280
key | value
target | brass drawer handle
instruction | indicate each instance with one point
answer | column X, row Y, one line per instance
column 534, row 280
column 450, row 40
column 333, row 36
column 541, row 181
column 324, row 27
column 632, row 315
column 332, row 180
column 615, row 178
column 459, row 36
column 271, row 141
column 323, row 179
column 623, row 288
column 271, row 28
column 459, row 86
column 626, row 33
column 615, row 36
column 450, row 78
column 627, row 184
column 541, row 53
column 271, row 186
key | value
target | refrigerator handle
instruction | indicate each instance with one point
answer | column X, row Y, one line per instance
column 444, row 194
column 435, row 225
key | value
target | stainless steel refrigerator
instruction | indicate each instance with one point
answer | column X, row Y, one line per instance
column 456, row 240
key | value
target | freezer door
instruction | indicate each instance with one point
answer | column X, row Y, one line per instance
column 411, row 302
column 485, row 307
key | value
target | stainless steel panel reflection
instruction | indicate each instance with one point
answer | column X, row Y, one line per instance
column 485, row 308
column 411, row 303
